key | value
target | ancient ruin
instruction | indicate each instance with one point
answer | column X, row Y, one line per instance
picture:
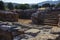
column 46, row 17
column 8, row 16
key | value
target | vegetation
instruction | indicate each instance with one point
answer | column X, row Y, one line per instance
column 58, row 5
column 2, row 5
column 10, row 6
column 53, row 5
column 22, row 6
column 34, row 6
column 25, row 6
column 17, row 7
column 46, row 5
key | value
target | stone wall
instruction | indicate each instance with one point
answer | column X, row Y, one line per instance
column 51, row 18
column 8, row 16
column 25, row 14
column 46, row 17
column 59, row 20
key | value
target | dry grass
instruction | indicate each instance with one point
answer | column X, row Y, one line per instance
column 24, row 21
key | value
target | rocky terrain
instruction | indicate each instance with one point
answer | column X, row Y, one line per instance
column 46, row 32
column 39, row 32
column 44, row 26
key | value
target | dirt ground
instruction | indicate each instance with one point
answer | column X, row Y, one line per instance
column 27, row 21
column 24, row 21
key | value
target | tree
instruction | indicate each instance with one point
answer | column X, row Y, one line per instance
column 35, row 6
column 2, row 7
column 10, row 6
column 22, row 6
column 39, row 6
column 46, row 5
column 58, row 5
column 53, row 5
column 17, row 6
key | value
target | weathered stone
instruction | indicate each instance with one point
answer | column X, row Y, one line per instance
column 44, row 37
column 46, row 17
column 55, row 30
column 58, row 38
column 25, row 14
column 8, row 16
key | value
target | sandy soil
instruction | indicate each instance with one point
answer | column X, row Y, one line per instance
column 24, row 21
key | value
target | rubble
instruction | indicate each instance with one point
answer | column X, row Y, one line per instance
column 27, row 32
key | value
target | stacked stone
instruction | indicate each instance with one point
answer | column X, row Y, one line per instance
column 38, row 17
column 47, row 17
column 8, row 16
column 29, row 12
column 51, row 18
column 59, row 20
column 24, row 14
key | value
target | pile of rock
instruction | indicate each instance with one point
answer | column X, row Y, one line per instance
column 9, row 30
